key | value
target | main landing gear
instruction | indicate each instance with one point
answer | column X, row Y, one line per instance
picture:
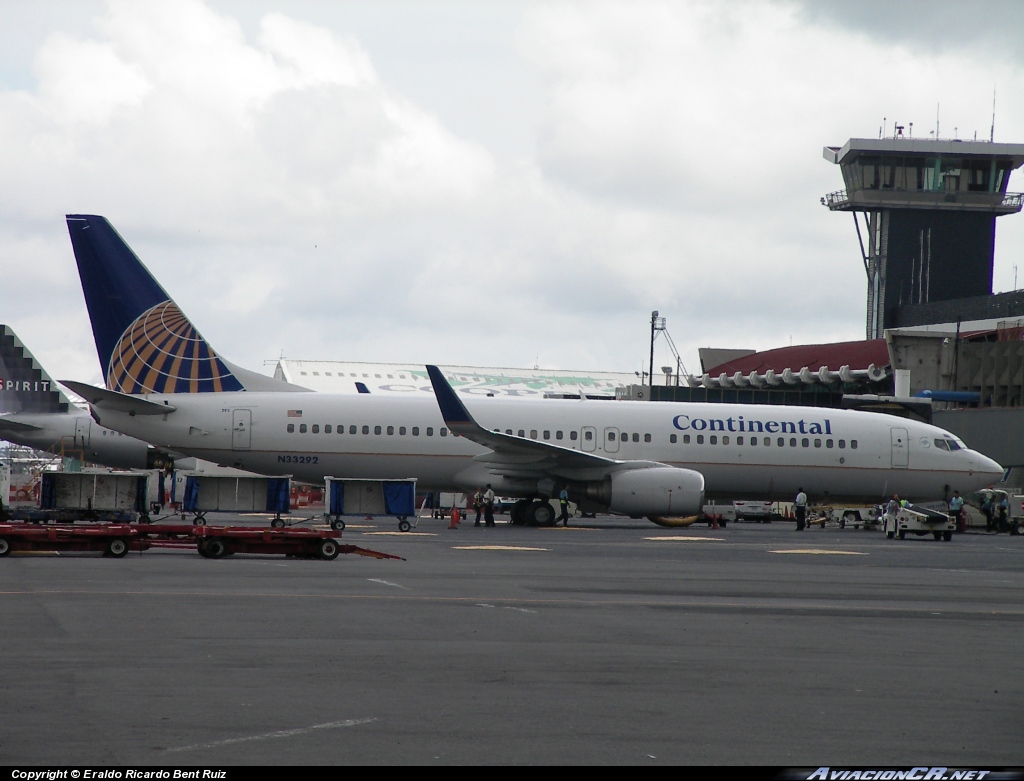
column 532, row 512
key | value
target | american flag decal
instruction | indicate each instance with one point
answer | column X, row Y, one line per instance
column 294, row 413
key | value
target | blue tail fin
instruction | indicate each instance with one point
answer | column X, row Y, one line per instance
column 145, row 343
column 24, row 384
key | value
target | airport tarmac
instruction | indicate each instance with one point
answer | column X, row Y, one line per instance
column 608, row 642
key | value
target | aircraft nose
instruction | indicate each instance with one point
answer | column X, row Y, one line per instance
column 984, row 465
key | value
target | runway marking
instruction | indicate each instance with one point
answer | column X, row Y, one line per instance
column 385, row 582
column 507, row 607
column 404, row 534
column 819, row 552
column 686, row 539
column 572, row 528
column 497, row 547
column 285, row 733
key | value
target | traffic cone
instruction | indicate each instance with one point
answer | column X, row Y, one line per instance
column 455, row 519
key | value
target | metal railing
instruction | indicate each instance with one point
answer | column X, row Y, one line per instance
column 840, row 198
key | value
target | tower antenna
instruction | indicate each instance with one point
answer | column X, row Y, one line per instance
column 992, row 130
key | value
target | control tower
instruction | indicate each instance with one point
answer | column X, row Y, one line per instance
column 930, row 209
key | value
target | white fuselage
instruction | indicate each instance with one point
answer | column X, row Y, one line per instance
column 751, row 451
column 76, row 434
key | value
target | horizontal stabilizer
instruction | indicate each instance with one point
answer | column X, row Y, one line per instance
column 117, row 402
column 14, row 426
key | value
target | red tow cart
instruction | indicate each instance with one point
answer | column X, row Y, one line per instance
column 211, row 542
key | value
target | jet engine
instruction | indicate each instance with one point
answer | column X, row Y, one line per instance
column 658, row 491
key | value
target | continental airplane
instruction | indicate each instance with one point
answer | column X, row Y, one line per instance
column 657, row 460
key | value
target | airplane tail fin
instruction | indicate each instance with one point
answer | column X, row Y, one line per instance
column 145, row 343
column 24, row 384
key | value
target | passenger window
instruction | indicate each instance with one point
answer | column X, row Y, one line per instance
column 533, row 433
column 443, row 431
column 817, row 443
column 828, row 443
column 522, row 433
column 647, row 437
column 302, row 428
column 853, row 444
column 327, row 429
column 572, row 435
column 753, row 441
column 636, row 437
column 780, row 442
column 547, row 435
column 672, row 438
column 725, row 440
column 686, row 439
column 291, row 428
column 415, row 431
column 430, row 431
column 351, row 429
column 842, row 444
column 558, row 435
column 712, row 440
column 589, row 435
column 316, row 428
column 792, row 442
column 401, row 431
column 623, row 436
column 376, row 430
column 611, row 436
column 805, row 443
column 391, row 431
column 700, row 439
column 739, row 440
column 366, row 429
column 508, row 431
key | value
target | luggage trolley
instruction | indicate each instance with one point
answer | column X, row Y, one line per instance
column 206, row 493
column 370, row 498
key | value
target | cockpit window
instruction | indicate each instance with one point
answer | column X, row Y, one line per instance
column 953, row 444
column 941, row 444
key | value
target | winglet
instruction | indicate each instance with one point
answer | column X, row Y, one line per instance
column 453, row 410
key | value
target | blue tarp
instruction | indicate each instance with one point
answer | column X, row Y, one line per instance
column 48, row 495
column 140, row 496
column 399, row 498
column 190, row 500
column 279, row 498
column 337, row 497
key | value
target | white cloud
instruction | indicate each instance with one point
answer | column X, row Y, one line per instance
column 289, row 197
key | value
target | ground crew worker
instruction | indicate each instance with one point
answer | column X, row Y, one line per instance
column 563, row 501
column 489, row 506
column 956, row 511
column 478, row 502
column 800, row 507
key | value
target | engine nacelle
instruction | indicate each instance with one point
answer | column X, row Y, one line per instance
column 660, row 491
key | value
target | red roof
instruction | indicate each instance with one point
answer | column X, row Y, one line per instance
column 856, row 355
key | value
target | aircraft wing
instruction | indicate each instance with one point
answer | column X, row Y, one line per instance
column 514, row 456
column 118, row 402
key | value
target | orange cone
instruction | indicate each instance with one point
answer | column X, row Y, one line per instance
column 455, row 519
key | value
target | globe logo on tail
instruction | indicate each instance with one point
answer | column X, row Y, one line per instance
column 161, row 352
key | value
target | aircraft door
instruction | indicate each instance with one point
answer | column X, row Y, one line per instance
column 241, row 425
column 588, row 438
column 83, row 424
column 900, row 448
column 611, row 440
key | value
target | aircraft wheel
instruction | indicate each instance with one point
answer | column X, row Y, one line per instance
column 542, row 514
column 216, row 549
column 404, row 525
column 328, row 550
column 5, row 546
column 117, row 547
column 518, row 512
column 277, row 523
column 338, row 525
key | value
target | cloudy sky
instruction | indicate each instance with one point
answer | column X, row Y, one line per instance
column 482, row 183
